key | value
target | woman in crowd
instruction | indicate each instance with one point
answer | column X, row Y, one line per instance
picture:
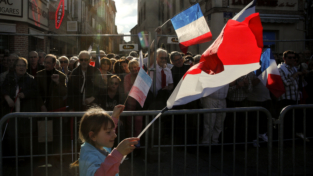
column 64, row 61
column 132, row 104
column 112, row 97
column 105, row 68
column 121, row 66
column 19, row 91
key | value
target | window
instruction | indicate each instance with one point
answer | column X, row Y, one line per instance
column 4, row 43
column 174, row 7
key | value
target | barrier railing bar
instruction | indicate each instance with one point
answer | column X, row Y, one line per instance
column 234, row 145
column 146, row 146
column 16, row 148
column 159, row 148
column 71, row 35
column 222, row 149
column 61, row 133
column 293, row 143
column 210, row 151
column 172, row 148
column 31, row 146
column 130, row 113
column 46, row 145
column 185, row 151
column 75, row 132
column 281, row 130
column 132, row 153
column 198, row 133
column 304, row 141
column 269, row 143
column 246, row 140
column 257, row 142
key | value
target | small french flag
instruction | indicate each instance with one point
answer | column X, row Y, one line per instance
column 191, row 27
column 142, row 84
column 269, row 74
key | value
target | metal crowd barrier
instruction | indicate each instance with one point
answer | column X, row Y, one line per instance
column 281, row 124
column 195, row 113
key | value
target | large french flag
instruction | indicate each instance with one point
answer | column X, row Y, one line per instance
column 142, row 84
column 269, row 74
column 191, row 27
column 235, row 52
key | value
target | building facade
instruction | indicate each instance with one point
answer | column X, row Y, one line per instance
column 281, row 20
column 56, row 17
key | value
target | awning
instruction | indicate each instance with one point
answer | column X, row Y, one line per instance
column 7, row 27
column 34, row 31
column 275, row 18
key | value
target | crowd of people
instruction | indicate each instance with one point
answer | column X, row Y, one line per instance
column 47, row 83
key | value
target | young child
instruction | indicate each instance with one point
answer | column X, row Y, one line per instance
column 97, row 131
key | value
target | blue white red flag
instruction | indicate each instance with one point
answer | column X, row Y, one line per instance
column 191, row 27
column 269, row 74
column 89, row 49
column 142, row 84
column 235, row 53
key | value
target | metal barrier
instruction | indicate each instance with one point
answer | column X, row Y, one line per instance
column 168, row 167
column 281, row 139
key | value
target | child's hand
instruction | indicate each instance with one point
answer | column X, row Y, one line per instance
column 127, row 145
column 118, row 109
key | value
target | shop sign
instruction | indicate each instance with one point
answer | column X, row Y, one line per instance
column 128, row 47
column 59, row 14
column 172, row 40
column 11, row 7
column 38, row 12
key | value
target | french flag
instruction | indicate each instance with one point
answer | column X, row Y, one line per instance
column 269, row 74
column 235, row 52
column 142, row 84
column 191, row 27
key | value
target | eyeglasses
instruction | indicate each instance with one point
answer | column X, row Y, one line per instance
column 23, row 66
column 114, row 83
column 163, row 58
column 32, row 57
column 291, row 57
column 65, row 62
column 87, row 60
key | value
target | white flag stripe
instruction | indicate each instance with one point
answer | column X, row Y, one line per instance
column 198, row 28
column 193, row 87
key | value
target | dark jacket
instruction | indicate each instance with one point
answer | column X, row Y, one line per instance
column 53, row 96
column 27, row 85
column 93, row 85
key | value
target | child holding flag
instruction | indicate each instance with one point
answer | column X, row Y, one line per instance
column 97, row 131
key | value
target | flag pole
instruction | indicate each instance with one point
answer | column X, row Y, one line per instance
column 146, row 128
column 165, row 23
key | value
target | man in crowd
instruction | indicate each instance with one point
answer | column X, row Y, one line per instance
column 51, row 86
column 41, row 56
column 9, row 63
column 179, row 68
column 164, row 78
column 84, row 84
column 34, row 65
column 290, row 76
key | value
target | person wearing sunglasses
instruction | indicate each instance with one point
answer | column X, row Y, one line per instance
column 64, row 62
column 290, row 77
column 84, row 85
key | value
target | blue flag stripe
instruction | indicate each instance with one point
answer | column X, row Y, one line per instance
column 186, row 17
column 265, row 61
